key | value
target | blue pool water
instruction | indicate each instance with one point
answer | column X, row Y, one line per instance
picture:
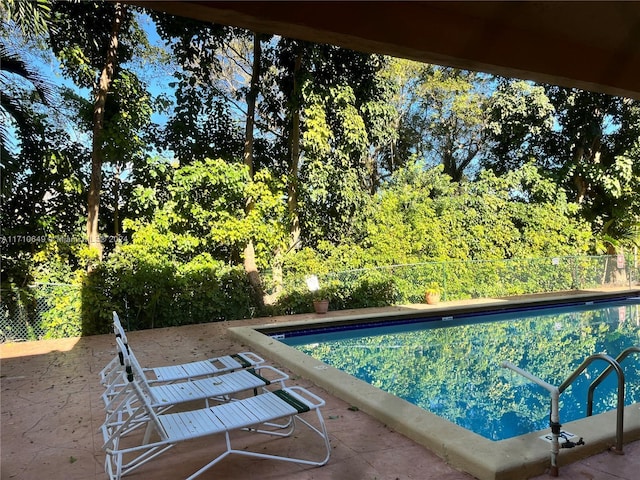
column 451, row 367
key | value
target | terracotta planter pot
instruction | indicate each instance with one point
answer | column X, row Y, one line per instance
column 432, row 298
column 321, row 306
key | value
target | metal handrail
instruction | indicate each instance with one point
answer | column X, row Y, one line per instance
column 624, row 354
column 620, row 408
column 554, row 418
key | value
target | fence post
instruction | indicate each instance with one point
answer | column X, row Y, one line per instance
column 444, row 281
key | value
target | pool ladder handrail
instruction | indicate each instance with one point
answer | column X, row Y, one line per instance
column 613, row 364
column 620, row 358
column 554, row 416
column 554, row 420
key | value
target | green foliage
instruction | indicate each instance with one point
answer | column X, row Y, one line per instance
column 20, row 305
column 456, row 105
column 433, row 288
column 382, row 188
column 82, row 36
column 151, row 292
column 33, row 17
column 176, row 269
column 585, row 142
column 63, row 318
column 207, row 291
column 424, row 219
column 292, row 302
column 338, row 117
column 202, row 124
column 204, row 212
column 129, row 112
column 208, row 203
column 519, row 113
column 39, row 158
column 370, row 289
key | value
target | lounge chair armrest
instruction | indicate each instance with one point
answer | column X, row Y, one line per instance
column 305, row 396
column 252, row 358
column 280, row 377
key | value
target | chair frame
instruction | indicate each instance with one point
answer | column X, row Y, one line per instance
column 111, row 373
column 161, row 398
column 251, row 414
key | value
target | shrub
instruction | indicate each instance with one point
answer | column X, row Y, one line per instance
column 63, row 318
column 153, row 292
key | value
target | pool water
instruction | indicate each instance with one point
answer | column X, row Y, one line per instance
column 452, row 367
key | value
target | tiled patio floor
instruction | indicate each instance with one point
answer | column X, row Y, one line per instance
column 51, row 412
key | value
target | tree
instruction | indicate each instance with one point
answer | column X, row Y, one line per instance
column 407, row 138
column 97, row 158
column 252, row 95
column 32, row 18
column 15, row 107
column 86, row 46
column 226, row 69
column 520, row 113
column 455, row 104
column 202, row 125
column 205, row 213
column 41, row 177
column 585, row 142
column 328, row 107
column 441, row 117
column 422, row 216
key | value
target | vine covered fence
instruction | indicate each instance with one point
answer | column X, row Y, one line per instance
column 460, row 280
column 56, row 310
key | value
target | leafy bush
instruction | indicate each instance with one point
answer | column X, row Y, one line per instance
column 372, row 289
column 292, row 302
column 151, row 292
column 206, row 290
column 63, row 318
column 375, row 289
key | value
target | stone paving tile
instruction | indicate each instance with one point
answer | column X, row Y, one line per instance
column 51, row 412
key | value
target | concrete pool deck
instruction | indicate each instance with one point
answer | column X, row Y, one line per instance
column 51, row 412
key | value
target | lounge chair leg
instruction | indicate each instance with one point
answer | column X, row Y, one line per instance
column 147, row 433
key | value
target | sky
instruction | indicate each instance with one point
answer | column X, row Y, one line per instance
column 157, row 77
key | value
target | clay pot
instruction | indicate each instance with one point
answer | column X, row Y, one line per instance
column 321, row 306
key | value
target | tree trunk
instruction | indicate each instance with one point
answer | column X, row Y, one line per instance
column 294, row 227
column 585, row 154
column 250, row 266
column 277, row 278
column 106, row 76
column 116, row 201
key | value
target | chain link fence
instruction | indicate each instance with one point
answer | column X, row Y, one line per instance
column 458, row 280
column 53, row 310
column 26, row 314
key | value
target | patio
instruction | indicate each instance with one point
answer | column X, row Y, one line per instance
column 51, row 412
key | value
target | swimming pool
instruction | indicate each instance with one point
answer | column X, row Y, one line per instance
column 451, row 367
column 514, row 458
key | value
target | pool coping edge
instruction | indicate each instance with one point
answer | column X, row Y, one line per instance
column 520, row 457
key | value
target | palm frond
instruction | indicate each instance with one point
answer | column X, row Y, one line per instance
column 11, row 62
column 32, row 17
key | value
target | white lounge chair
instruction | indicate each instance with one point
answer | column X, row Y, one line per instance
column 171, row 373
column 254, row 414
column 220, row 388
